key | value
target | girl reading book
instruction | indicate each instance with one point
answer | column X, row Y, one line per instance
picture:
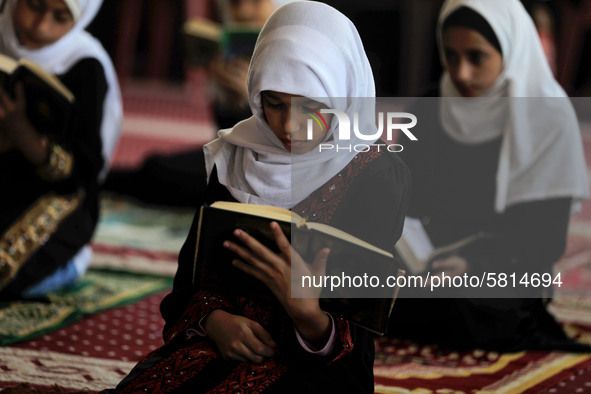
column 224, row 342
column 502, row 156
column 51, row 182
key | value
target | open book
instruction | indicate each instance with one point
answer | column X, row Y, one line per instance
column 204, row 39
column 349, row 255
column 417, row 251
column 49, row 102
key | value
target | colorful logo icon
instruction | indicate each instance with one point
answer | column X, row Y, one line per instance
column 317, row 117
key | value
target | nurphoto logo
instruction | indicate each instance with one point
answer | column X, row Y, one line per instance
column 391, row 119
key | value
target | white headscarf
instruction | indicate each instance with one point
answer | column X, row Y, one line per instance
column 541, row 153
column 308, row 49
column 60, row 56
column 75, row 8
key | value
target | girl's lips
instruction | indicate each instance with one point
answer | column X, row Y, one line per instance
column 32, row 41
column 466, row 91
column 297, row 144
column 292, row 144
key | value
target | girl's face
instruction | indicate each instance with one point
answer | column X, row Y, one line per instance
column 38, row 23
column 471, row 61
column 292, row 127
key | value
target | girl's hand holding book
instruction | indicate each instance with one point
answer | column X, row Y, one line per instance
column 275, row 271
column 12, row 110
column 18, row 129
column 452, row 266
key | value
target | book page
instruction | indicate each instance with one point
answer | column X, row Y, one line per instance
column 417, row 239
column 455, row 247
column 335, row 232
column 51, row 80
column 7, row 64
column 203, row 28
column 264, row 211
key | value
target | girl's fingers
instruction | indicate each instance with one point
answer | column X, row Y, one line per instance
column 283, row 243
column 319, row 264
column 258, row 348
column 257, row 250
column 237, row 357
column 263, row 335
column 250, row 270
column 249, row 259
column 5, row 101
column 248, row 354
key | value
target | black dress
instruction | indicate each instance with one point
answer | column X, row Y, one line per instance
column 379, row 181
column 48, row 213
column 453, row 194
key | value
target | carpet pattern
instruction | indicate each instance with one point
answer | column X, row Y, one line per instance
column 97, row 291
column 112, row 340
column 43, row 369
column 93, row 354
column 404, row 367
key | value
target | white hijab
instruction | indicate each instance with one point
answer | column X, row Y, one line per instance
column 60, row 56
column 308, row 49
column 541, row 153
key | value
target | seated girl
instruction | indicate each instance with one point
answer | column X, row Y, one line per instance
column 224, row 343
column 503, row 156
column 51, row 183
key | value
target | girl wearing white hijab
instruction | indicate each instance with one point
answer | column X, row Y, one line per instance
column 50, row 209
column 215, row 341
column 508, row 163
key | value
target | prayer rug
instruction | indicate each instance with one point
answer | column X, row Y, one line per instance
column 92, row 354
column 405, row 367
column 96, row 291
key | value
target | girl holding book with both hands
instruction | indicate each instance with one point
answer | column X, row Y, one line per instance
column 51, row 183
column 226, row 343
column 503, row 156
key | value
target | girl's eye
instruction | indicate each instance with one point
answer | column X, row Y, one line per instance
column 308, row 109
column 312, row 107
column 476, row 57
column 274, row 105
column 62, row 17
column 451, row 57
column 36, row 5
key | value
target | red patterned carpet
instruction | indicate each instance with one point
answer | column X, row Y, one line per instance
column 96, row 352
column 92, row 354
column 405, row 367
column 162, row 119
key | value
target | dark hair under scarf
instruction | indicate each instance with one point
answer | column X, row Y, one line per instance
column 467, row 17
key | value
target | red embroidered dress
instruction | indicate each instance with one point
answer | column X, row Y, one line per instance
column 368, row 198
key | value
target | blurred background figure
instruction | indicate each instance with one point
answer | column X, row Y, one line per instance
column 485, row 166
column 51, row 181
column 228, row 73
column 179, row 179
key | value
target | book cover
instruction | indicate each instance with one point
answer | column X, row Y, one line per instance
column 204, row 39
column 49, row 101
column 349, row 255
